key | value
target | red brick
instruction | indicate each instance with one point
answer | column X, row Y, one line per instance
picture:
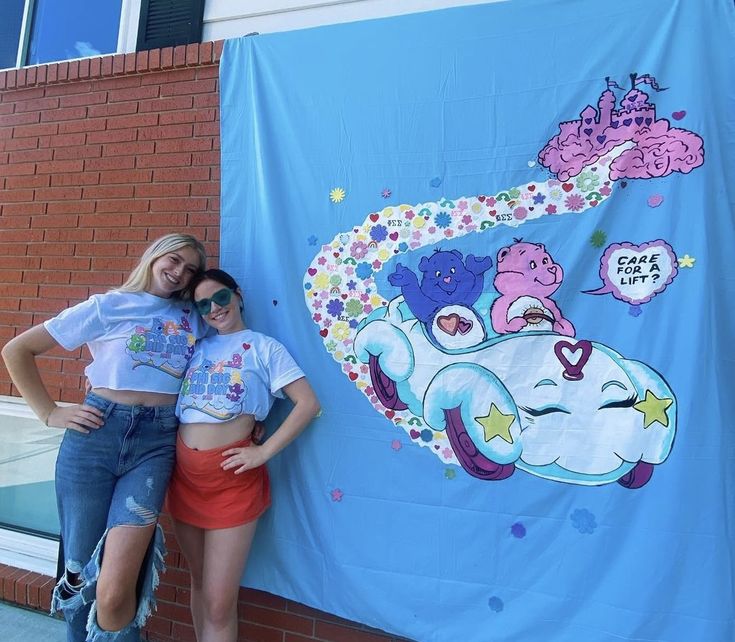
column 141, row 61
column 67, row 88
column 122, row 205
column 16, row 195
column 95, row 65
column 109, row 191
column 90, row 98
column 138, row 93
column 22, row 236
column 207, row 129
column 278, row 619
column 84, row 68
column 166, row 104
column 183, row 145
column 133, row 121
column 178, row 204
column 192, row 87
column 70, row 234
column 116, row 109
column 20, row 143
column 76, row 126
column 118, row 64
column 66, row 113
column 331, row 632
column 110, row 163
column 78, row 151
column 131, row 148
column 14, row 222
column 15, row 182
column 16, row 290
column 21, row 119
column 166, row 131
column 63, row 207
column 78, row 178
column 108, row 279
column 47, row 276
column 113, row 136
column 104, row 220
column 121, row 264
column 164, row 160
column 66, row 263
column 52, row 220
column 50, row 249
column 207, row 100
column 159, row 190
column 176, row 174
column 169, row 76
column 58, row 194
column 177, row 117
column 126, row 176
column 28, row 156
column 19, row 168
column 59, row 166
column 254, row 633
column 158, row 626
column 35, row 130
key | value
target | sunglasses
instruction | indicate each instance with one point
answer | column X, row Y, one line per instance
column 220, row 297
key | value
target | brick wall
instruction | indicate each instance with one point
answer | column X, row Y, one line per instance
column 98, row 157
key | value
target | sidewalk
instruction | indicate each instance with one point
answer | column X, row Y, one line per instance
column 21, row 625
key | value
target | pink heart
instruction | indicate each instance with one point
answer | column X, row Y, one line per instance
column 678, row 115
column 448, row 323
column 312, row 271
column 394, row 236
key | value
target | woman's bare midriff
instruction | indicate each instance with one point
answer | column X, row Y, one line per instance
column 136, row 397
column 206, row 436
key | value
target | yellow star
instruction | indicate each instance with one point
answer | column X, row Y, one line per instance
column 686, row 261
column 496, row 424
column 654, row 409
column 337, row 195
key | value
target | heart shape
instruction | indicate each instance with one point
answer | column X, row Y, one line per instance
column 312, row 271
column 678, row 115
column 566, row 354
column 448, row 323
column 374, row 217
column 567, row 187
column 394, row 236
column 246, row 346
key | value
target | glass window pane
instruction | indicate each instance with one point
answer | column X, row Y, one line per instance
column 73, row 29
column 11, row 18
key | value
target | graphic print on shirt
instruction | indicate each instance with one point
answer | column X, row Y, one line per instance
column 215, row 388
column 166, row 345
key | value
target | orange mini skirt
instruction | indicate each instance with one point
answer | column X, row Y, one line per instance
column 202, row 494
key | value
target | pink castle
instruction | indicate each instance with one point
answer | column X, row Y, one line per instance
column 658, row 149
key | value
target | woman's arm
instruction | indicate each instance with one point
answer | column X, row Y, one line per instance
column 306, row 407
column 20, row 359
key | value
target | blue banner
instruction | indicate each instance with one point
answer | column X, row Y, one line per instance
column 496, row 238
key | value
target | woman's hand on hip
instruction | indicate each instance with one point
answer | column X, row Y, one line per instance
column 242, row 459
column 79, row 417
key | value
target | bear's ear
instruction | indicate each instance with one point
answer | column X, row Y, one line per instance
column 424, row 264
column 458, row 254
column 502, row 253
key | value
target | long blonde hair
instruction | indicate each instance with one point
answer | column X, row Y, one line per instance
column 140, row 278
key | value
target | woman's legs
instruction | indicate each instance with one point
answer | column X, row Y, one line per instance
column 191, row 541
column 122, row 559
column 216, row 560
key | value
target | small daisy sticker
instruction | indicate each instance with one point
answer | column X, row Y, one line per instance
column 337, row 195
column 686, row 261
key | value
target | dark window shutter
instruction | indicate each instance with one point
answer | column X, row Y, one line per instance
column 167, row 23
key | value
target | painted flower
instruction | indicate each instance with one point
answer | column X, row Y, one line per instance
column 341, row 331
column 555, row 194
column 331, row 345
column 327, row 323
column 378, row 233
column 317, row 303
column 587, row 181
column 351, row 285
column 443, row 219
column 539, row 198
column 321, row 260
column 574, row 202
column 363, row 270
column 337, row 195
column 551, row 208
column 583, row 521
column 353, row 308
column 321, row 281
column 335, row 307
column 605, row 190
column 353, row 323
column 358, row 250
column 317, row 317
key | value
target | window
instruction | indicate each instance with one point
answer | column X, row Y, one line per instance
column 11, row 21
column 73, row 29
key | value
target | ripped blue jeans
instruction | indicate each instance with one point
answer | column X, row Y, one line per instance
column 113, row 476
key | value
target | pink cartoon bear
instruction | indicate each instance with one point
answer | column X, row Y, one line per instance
column 526, row 277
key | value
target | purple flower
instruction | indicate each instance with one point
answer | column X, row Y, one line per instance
column 335, row 307
column 551, row 208
column 358, row 249
column 351, row 285
column 539, row 198
column 574, row 202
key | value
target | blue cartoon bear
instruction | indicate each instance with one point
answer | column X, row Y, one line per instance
column 450, row 286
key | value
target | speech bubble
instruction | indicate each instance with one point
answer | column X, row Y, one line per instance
column 636, row 273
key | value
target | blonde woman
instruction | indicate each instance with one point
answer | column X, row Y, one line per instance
column 118, row 450
column 220, row 485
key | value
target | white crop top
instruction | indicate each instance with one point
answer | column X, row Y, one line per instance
column 138, row 341
column 235, row 374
